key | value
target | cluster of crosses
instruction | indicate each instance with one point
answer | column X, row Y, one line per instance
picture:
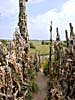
column 15, row 84
column 61, row 84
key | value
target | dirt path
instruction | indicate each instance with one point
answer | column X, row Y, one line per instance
column 42, row 83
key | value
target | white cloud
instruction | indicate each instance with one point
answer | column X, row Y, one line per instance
column 35, row 1
column 12, row 6
column 29, row 1
column 8, row 7
column 40, row 24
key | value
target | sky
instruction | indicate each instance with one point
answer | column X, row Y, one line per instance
column 39, row 15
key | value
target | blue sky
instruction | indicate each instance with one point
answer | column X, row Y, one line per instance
column 40, row 13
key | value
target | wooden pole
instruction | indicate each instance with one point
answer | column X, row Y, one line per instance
column 67, row 39
column 50, row 53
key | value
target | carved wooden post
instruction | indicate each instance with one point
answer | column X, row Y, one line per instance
column 24, row 33
column 50, row 53
column 67, row 39
column 23, row 20
column 57, row 50
column 71, row 29
column 39, row 60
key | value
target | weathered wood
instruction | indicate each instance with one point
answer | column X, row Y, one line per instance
column 50, row 52
column 67, row 39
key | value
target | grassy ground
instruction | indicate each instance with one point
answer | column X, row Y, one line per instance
column 44, row 49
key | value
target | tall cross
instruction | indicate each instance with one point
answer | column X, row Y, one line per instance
column 23, row 19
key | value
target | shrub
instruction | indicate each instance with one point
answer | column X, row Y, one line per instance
column 46, row 68
column 35, row 87
column 47, row 43
column 29, row 95
column 43, row 42
column 32, row 46
column 63, row 44
column 3, row 41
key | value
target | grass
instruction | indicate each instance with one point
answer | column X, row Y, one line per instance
column 44, row 49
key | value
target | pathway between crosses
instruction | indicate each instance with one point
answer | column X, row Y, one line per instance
column 42, row 83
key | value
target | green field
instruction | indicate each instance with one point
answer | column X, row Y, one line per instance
column 44, row 49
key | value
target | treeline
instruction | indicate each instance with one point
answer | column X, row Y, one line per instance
column 45, row 42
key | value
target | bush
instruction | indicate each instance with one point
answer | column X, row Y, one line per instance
column 35, row 87
column 29, row 95
column 43, row 42
column 31, row 73
column 63, row 44
column 4, row 41
column 47, row 43
column 32, row 46
column 46, row 68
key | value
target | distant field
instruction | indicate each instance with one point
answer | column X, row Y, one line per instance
column 44, row 49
